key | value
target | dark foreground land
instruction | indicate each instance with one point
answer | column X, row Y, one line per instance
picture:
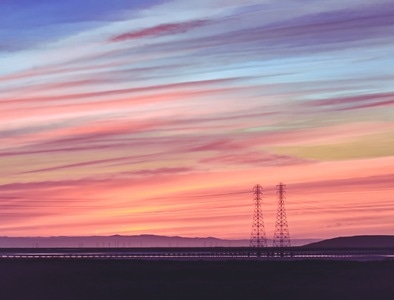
column 125, row 279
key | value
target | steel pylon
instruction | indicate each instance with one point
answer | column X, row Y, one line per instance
column 257, row 236
column 281, row 235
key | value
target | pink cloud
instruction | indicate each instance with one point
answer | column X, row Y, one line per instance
column 372, row 105
column 82, row 164
column 364, row 183
column 253, row 159
column 159, row 30
column 353, row 102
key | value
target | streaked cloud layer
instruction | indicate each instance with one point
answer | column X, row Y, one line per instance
column 158, row 117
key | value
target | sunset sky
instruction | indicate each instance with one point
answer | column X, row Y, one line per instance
column 159, row 116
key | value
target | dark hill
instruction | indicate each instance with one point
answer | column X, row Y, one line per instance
column 116, row 241
column 362, row 241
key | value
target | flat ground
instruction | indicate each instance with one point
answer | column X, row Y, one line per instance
column 123, row 279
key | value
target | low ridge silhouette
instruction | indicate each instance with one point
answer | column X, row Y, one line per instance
column 361, row 241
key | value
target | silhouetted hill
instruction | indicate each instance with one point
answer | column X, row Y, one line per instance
column 362, row 241
column 115, row 241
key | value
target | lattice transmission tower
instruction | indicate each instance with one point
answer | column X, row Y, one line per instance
column 281, row 235
column 257, row 236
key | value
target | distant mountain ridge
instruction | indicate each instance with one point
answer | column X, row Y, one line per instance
column 360, row 241
column 118, row 241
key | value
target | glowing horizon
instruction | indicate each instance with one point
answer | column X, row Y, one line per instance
column 158, row 117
